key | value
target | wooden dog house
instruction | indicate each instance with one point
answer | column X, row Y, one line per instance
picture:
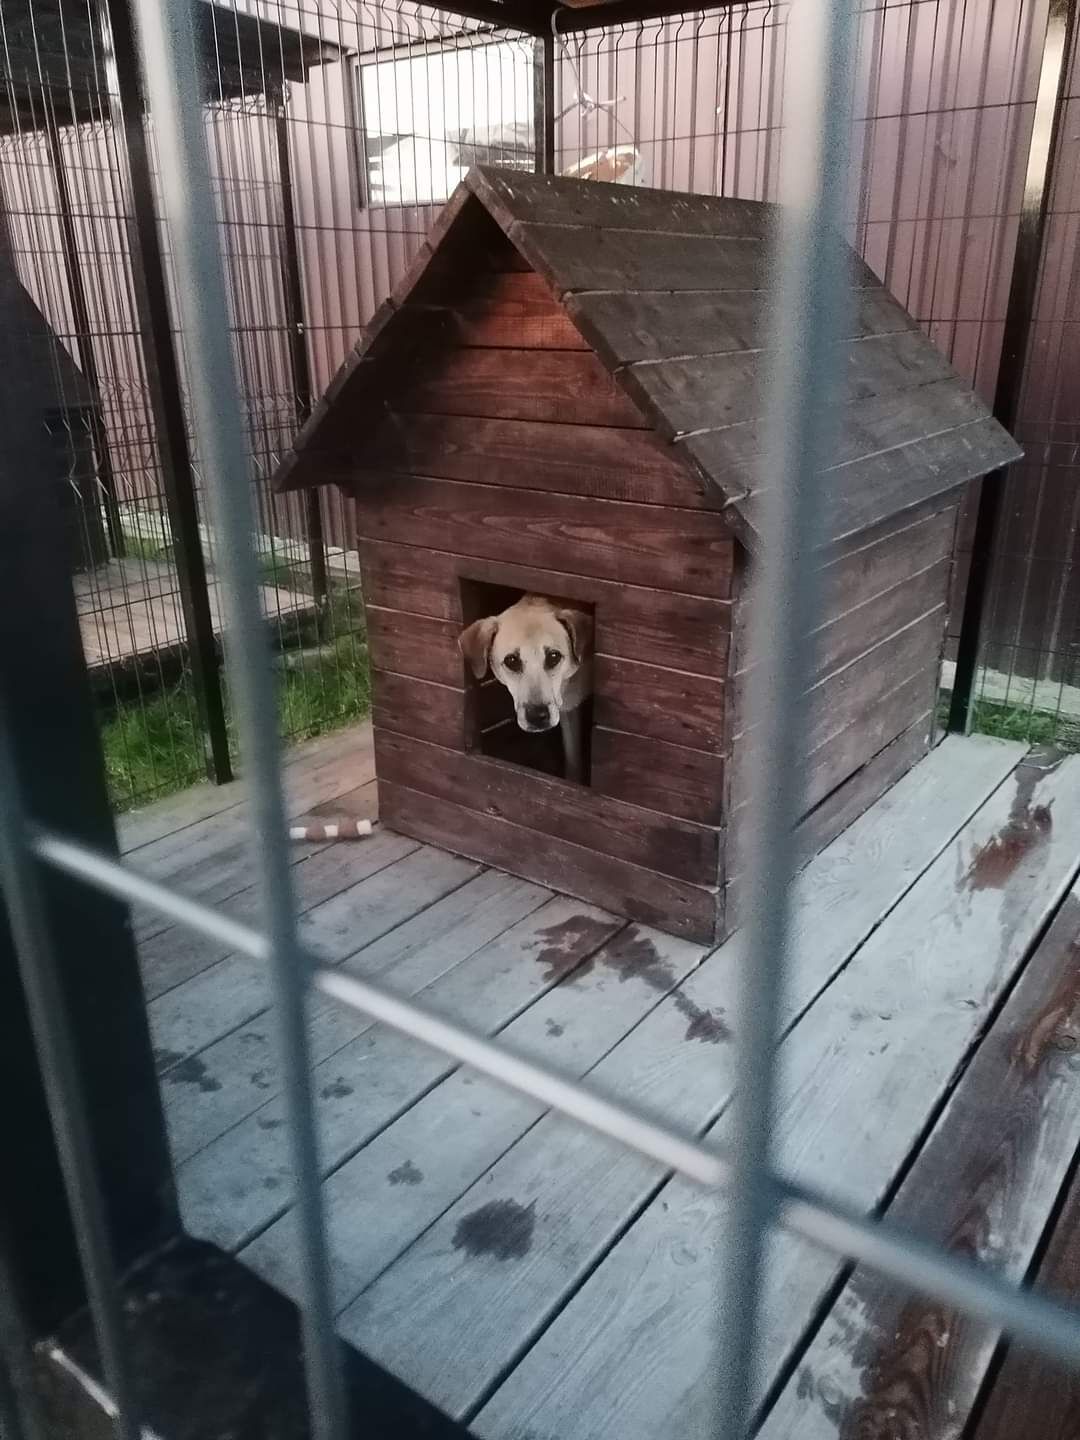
column 563, row 396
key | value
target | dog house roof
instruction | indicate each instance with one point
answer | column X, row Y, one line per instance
column 672, row 291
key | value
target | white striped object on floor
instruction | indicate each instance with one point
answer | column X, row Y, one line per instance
column 332, row 830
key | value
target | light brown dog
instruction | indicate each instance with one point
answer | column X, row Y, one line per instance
column 542, row 652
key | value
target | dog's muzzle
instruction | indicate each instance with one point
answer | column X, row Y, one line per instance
column 536, row 717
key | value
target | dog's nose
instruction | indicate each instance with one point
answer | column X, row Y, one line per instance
column 537, row 715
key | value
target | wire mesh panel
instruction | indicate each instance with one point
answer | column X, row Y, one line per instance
column 324, row 162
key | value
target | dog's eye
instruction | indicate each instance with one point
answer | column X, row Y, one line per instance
column 513, row 662
column 551, row 659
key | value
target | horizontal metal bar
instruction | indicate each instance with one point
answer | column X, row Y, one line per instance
column 1050, row 1328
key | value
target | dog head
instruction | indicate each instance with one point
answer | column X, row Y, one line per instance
column 534, row 648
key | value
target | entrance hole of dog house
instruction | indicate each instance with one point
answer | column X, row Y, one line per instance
column 490, row 722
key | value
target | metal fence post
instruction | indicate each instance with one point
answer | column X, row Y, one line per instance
column 1019, row 315
column 544, row 102
column 158, row 347
column 83, row 338
column 293, row 291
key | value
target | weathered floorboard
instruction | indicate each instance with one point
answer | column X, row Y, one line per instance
column 1033, row 1399
column 885, row 1040
column 176, row 955
column 224, row 1194
column 237, row 987
column 238, row 1074
column 401, row 1182
column 476, row 1313
column 984, row 1185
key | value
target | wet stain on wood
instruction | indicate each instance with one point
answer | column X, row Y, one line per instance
column 336, row 1090
column 193, row 1071
column 1027, row 828
column 259, row 1080
column 267, row 1122
column 166, row 1059
column 561, row 947
column 554, row 1028
column 405, row 1174
column 502, row 1229
column 708, row 1026
column 633, row 956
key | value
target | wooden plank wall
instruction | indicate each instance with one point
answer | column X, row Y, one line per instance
column 512, row 459
column 874, row 685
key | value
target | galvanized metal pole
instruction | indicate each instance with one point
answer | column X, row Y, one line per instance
column 300, row 369
column 167, row 43
column 808, row 324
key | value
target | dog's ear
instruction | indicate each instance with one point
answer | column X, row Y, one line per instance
column 579, row 627
column 475, row 644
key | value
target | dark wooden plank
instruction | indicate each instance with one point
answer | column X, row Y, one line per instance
column 570, row 387
column 516, row 311
column 673, row 779
column 414, row 645
column 853, row 632
column 847, row 749
column 913, row 478
column 842, row 640
column 715, row 391
column 419, row 708
column 839, row 809
column 865, row 571
column 984, row 1185
column 610, row 463
column 668, row 705
column 1032, row 1398
column 684, row 550
column 524, row 196
column 732, row 456
column 627, row 328
column 572, row 258
column 675, row 906
column 840, row 699
column 575, row 813
column 657, row 627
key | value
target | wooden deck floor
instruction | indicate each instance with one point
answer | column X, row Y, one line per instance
column 541, row 1284
column 130, row 609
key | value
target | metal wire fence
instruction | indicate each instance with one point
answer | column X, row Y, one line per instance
column 335, row 131
column 935, row 208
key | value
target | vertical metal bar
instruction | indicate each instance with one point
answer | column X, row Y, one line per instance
column 83, row 336
column 166, row 396
column 60, row 1078
column 293, row 289
column 808, row 324
column 166, row 36
column 544, row 102
column 1019, row 315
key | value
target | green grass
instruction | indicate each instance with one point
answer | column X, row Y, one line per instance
column 153, row 747
column 1017, row 722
